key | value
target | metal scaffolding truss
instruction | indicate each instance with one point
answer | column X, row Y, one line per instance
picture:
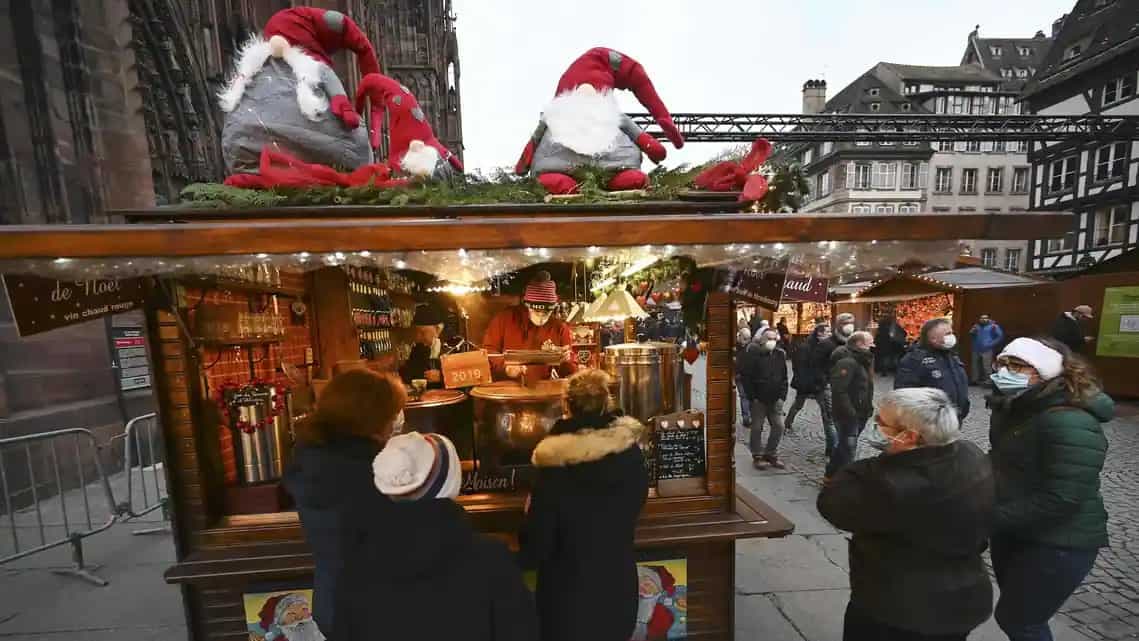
column 790, row 128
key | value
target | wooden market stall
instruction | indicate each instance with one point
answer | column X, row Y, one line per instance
column 291, row 279
column 1016, row 301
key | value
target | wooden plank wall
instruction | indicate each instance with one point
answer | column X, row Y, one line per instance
column 720, row 438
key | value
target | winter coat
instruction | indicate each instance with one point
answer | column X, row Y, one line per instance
column 852, row 386
column 512, row 329
column 395, row 566
column 1048, row 452
column 921, row 520
column 986, row 338
column 578, row 534
column 812, row 364
column 764, row 374
column 940, row 368
column 1068, row 331
column 419, row 362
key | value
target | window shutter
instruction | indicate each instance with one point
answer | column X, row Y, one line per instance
column 923, row 175
column 850, row 175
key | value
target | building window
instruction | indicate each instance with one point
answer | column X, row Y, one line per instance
column 862, row 175
column 945, row 145
column 1021, row 73
column 823, row 184
column 989, row 257
column 996, row 51
column 1012, row 260
column 944, row 180
column 969, row 181
column 996, row 182
column 862, row 143
column 905, row 106
column 884, row 209
column 875, row 106
column 1024, row 51
column 860, row 209
column 1055, row 245
column 1000, row 146
column 1062, row 174
column 808, row 156
column 884, row 175
column 1111, row 226
column 1110, row 161
column 1020, row 180
column 957, row 104
column 1119, row 89
column 908, row 209
column 1006, row 72
column 1022, row 147
column 973, row 146
column 828, row 147
column 909, row 175
column 874, row 91
column 1073, row 52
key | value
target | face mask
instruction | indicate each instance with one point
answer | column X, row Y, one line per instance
column 848, row 329
column 539, row 318
column 1010, row 382
column 949, row 342
column 879, row 441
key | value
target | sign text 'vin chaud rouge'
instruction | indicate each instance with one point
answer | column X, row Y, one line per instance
column 42, row 304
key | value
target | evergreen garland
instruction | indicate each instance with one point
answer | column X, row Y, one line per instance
column 788, row 186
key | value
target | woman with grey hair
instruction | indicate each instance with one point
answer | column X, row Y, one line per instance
column 920, row 514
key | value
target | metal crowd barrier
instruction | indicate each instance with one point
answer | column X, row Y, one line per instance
column 142, row 456
column 52, row 483
column 20, row 517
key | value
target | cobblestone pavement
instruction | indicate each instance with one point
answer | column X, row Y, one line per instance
column 1106, row 606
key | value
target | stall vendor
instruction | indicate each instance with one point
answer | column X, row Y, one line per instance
column 424, row 359
column 530, row 326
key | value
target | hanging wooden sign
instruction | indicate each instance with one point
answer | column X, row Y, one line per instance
column 43, row 304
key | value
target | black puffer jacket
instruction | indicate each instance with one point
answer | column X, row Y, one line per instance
column 852, row 386
column 813, row 365
column 763, row 373
column 389, row 566
column 921, row 520
column 579, row 531
column 927, row 366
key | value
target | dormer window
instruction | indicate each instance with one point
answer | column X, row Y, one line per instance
column 1006, row 72
column 1024, row 52
column 875, row 91
column 1073, row 52
column 1022, row 73
column 875, row 106
column 996, row 51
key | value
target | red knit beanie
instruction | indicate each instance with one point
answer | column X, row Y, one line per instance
column 541, row 289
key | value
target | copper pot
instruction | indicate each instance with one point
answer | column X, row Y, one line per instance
column 510, row 420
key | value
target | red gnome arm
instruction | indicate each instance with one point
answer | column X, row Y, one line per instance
column 527, row 158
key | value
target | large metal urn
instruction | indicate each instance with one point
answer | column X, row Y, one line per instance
column 648, row 378
column 510, row 419
column 261, row 451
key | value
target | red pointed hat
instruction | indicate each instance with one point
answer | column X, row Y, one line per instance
column 605, row 69
column 268, row 613
column 322, row 33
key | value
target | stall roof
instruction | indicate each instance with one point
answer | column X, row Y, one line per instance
column 475, row 247
column 903, row 286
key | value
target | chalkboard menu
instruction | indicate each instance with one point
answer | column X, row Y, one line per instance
column 679, row 447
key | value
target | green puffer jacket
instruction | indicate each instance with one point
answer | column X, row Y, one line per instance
column 1047, row 454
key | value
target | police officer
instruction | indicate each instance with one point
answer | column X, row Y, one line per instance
column 932, row 362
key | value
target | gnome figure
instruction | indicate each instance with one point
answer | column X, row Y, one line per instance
column 583, row 126
column 412, row 145
column 285, row 94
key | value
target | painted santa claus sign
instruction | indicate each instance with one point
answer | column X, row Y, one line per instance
column 584, row 127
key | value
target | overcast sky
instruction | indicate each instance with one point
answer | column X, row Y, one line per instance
column 749, row 56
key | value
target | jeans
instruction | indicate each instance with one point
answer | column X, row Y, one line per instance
column 981, row 367
column 823, row 399
column 848, row 432
column 772, row 413
column 856, row 626
column 1035, row 580
column 745, row 404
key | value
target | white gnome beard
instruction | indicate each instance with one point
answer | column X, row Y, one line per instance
column 256, row 51
column 583, row 121
column 421, row 162
column 303, row 631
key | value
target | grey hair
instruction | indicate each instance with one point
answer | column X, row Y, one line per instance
column 927, row 411
column 861, row 338
column 931, row 325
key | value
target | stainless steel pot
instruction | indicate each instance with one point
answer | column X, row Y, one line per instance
column 648, row 378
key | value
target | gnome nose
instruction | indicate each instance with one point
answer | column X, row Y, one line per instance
column 586, row 90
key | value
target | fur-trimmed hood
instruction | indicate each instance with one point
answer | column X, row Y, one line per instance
column 585, row 446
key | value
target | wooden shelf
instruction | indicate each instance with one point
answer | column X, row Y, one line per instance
column 213, row 282
column 235, row 342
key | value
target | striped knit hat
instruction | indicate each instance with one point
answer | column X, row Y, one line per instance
column 541, row 289
column 416, row 466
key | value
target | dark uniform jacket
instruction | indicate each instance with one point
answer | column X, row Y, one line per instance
column 941, row 368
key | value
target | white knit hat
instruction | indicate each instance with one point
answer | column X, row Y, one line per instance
column 1046, row 361
column 414, row 466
